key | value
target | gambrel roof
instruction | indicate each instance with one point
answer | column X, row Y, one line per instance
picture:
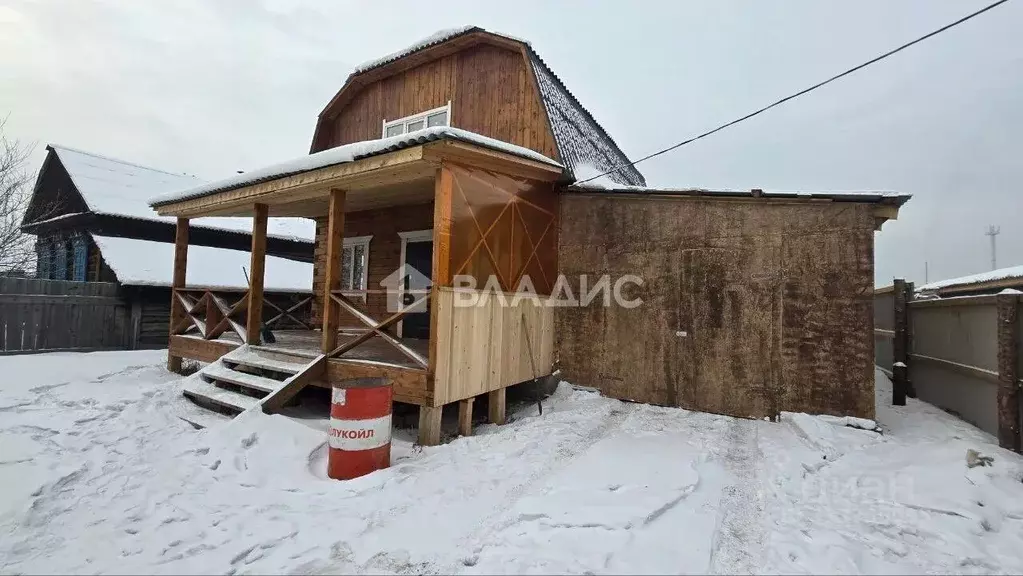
column 579, row 137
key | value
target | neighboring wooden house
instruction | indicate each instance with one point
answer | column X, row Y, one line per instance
column 92, row 223
column 460, row 160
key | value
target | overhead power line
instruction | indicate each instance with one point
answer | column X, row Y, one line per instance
column 805, row 91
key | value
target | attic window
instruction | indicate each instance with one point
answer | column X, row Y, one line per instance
column 436, row 117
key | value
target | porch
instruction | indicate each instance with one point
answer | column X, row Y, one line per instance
column 491, row 209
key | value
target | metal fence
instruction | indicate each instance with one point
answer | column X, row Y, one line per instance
column 962, row 354
column 53, row 315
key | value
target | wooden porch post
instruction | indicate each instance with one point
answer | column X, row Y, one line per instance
column 254, row 314
column 332, row 275
column 178, row 311
column 440, row 275
column 496, row 406
column 465, row 417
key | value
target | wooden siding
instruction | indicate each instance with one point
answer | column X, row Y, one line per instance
column 490, row 89
column 749, row 307
column 498, row 341
column 384, row 250
column 49, row 315
column 502, row 227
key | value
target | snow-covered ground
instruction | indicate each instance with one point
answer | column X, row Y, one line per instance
column 97, row 474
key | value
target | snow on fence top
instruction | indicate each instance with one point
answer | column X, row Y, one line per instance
column 994, row 275
column 119, row 188
column 148, row 263
column 345, row 154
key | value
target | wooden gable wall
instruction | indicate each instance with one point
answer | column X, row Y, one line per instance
column 55, row 194
column 492, row 92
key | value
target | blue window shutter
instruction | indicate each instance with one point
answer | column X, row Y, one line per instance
column 59, row 259
column 43, row 259
column 80, row 263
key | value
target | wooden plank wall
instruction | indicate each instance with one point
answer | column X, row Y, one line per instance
column 50, row 315
column 489, row 345
column 383, row 225
column 503, row 228
column 490, row 91
column 749, row 307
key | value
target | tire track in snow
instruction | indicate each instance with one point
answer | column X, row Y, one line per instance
column 475, row 540
column 739, row 541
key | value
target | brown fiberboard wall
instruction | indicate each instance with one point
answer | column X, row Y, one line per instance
column 749, row 307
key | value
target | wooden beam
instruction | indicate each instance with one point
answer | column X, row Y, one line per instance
column 196, row 348
column 178, row 312
column 465, row 417
column 487, row 159
column 886, row 212
column 254, row 314
column 900, row 355
column 1008, row 365
column 315, row 370
column 332, row 274
column 213, row 317
column 440, row 271
column 305, row 185
column 429, row 425
column 496, row 406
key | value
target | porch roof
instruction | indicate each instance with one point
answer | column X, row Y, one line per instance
column 149, row 263
column 386, row 161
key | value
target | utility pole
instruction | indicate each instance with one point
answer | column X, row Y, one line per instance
column 993, row 231
column 927, row 275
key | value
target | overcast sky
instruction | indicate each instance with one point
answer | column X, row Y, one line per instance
column 209, row 87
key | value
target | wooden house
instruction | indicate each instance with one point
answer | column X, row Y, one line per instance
column 92, row 223
column 464, row 160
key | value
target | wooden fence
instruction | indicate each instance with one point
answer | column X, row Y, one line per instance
column 53, row 315
column 962, row 354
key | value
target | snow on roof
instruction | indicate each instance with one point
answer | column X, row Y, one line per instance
column 580, row 139
column 603, row 183
column 578, row 136
column 435, row 38
column 348, row 153
column 148, row 263
column 1010, row 273
column 117, row 187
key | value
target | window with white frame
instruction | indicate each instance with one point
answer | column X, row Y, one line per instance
column 436, row 117
column 355, row 263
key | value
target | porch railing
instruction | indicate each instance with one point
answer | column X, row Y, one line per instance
column 211, row 312
column 379, row 328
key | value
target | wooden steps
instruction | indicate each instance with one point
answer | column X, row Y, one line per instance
column 271, row 359
column 243, row 377
column 203, row 392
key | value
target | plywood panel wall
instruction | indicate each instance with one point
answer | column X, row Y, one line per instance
column 503, row 228
column 749, row 307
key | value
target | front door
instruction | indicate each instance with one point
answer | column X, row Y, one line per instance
column 418, row 255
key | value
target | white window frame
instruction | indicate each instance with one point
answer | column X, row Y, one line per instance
column 352, row 242
column 413, row 118
column 406, row 237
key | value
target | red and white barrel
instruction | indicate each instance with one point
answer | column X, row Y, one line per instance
column 360, row 428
